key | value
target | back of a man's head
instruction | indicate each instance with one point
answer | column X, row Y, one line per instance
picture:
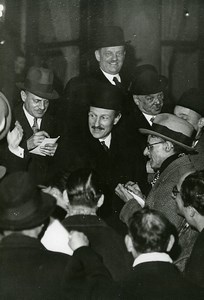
column 150, row 231
column 83, row 188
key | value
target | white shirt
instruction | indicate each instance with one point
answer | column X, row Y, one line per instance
column 110, row 77
column 107, row 140
column 31, row 118
column 152, row 256
column 148, row 118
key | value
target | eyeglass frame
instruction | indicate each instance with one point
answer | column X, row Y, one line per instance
column 150, row 146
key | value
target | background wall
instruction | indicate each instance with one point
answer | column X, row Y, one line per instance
column 166, row 33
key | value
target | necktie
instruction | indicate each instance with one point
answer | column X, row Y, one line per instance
column 35, row 126
column 104, row 146
column 156, row 177
column 117, row 82
column 152, row 119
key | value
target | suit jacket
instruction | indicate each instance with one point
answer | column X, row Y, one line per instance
column 198, row 159
column 29, row 271
column 103, row 240
column 42, row 168
column 194, row 270
column 123, row 162
column 159, row 280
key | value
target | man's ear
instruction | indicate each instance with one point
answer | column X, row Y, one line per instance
column 136, row 100
column 100, row 201
column 97, row 55
column 128, row 243
column 23, row 96
column 168, row 146
column 116, row 120
column 65, row 196
column 170, row 243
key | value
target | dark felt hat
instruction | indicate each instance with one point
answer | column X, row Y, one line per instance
column 147, row 81
column 192, row 99
column 104, row 95
column 5, row 116
column 109, row 36
column 174, row 129
column 39, row 81
column 23, row 205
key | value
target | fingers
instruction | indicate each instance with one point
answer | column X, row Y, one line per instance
column 42, row 133
column 49, row 149
column 77, row 239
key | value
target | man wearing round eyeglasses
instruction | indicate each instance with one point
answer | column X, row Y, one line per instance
column 169, row 141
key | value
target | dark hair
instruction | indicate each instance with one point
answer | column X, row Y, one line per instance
column 83, row 188
column 192, row 191
column 150, row 230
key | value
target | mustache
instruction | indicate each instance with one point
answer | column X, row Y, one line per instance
column 97, row 127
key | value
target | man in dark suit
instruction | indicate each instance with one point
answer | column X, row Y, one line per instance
column 147, row 88
column 83, row 195
column 109, row 46
column 38, row 124
column 189, row 196
column 105, row 147
column 27, row 269
column 150, row 239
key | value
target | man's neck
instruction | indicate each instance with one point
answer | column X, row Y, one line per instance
column 81, row 210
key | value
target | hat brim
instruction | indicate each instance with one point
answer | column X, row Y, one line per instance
column 8, row 118
column 104, row 45
column 152, row 132
column 46, row 208
column 50, row 96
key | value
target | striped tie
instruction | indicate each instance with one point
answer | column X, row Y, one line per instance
column 35, row 126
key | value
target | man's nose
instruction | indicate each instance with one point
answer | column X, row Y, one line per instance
column 97, row 122
column 114, row 56
column 146, row 152
column 42, row 105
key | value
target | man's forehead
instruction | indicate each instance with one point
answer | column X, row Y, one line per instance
column 153, row 138
column 101, row 111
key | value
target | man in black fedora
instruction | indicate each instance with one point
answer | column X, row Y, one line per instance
column 108, row 47
column 105, row 146
column 147, row 88
column 38, row 124
column 190, row 107
column 27, row 269
column 169, row 142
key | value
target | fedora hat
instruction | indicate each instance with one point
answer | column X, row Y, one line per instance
column 39, row 81
column 146, row 81
column 109, row 36
column 174, row 129
column 104, row 95
column 23, row 205
column 5, row 116
column 192, row 99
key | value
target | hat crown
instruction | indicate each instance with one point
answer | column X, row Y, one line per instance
column 106, row 96
column 109, row 36
column 39, row 81
column 22, row 205
column 147, row 81
column 193, row 99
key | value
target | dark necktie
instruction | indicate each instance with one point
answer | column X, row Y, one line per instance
column 156, row 177
column 117, row 82
column 35, row 126
column 104, row 146
column 152, row 119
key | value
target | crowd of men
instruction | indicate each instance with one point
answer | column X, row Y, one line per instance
column 126, row 172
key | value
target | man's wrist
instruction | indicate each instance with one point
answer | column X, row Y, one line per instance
column 18, row 151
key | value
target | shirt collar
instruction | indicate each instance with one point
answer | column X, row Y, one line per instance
column 110, row 77
column 148, row 118
column 152, row 256
column 31, row 118
column 107, row 140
